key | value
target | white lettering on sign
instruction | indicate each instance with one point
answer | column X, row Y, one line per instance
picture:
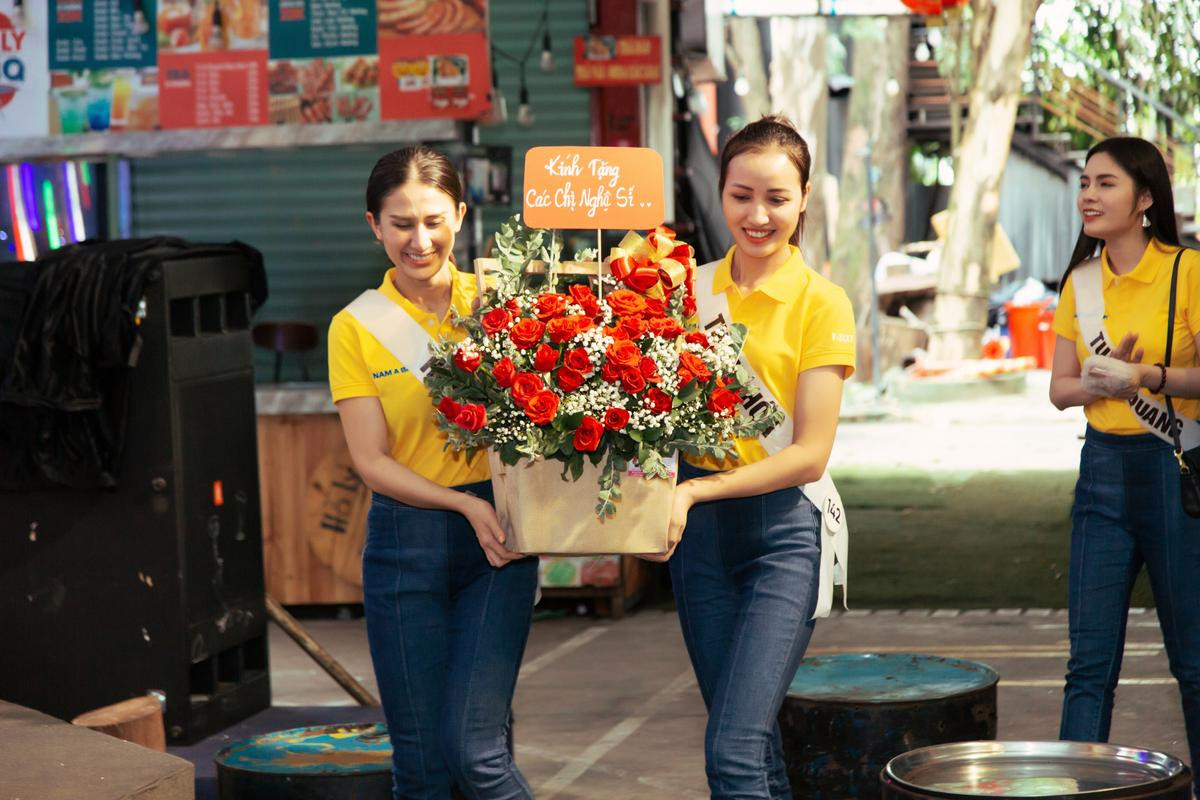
column 562, row 167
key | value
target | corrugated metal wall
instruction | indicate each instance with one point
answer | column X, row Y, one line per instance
column 304, row 208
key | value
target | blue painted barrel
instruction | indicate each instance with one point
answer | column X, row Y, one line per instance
column 846, row 715
column 326, row 762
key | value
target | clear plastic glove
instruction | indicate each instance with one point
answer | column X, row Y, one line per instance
column 1110, row 377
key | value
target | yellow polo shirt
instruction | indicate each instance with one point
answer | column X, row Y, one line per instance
column 359, row 366
column 795, row 320
column 1138, row 302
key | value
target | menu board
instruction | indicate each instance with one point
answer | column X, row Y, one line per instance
column 23, row 85
column 117, row 65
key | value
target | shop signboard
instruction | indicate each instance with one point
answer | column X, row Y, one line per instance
column 24, row 81
column 617, row 60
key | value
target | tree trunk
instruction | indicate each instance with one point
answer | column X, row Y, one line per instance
column 798, row 87
column 1000, row 36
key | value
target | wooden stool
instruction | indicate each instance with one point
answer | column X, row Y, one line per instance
column 846, row 715
column 138, row 720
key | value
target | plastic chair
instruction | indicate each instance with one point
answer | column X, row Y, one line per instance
column 286, row 337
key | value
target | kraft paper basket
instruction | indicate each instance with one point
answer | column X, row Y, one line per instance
column 547, row 515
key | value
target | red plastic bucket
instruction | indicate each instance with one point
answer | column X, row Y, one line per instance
column 1023, row 330
column 1047, row 338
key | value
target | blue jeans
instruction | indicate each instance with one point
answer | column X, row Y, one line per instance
column 1127, row 513
column 745, row 582
column 447, row 632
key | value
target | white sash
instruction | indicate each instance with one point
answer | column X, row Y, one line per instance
column 835, row 534
column 1089, row 310
column 398, row 332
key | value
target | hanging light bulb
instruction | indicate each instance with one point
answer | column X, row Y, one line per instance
column 524, row 110
column 547, row 62
column 498, row 113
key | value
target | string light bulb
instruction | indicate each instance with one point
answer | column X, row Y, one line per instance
column 547, row 62
column 524, row 110
column 498, row 113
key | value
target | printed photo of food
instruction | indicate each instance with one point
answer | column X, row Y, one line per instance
column 316, row 90
column 431, row 17
column 197, row 26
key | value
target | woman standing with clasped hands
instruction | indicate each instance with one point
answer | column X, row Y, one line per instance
column 1127, row 502
column 746, row 570
column 448, row 608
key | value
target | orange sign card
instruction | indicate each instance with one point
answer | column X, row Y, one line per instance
column 585, row 188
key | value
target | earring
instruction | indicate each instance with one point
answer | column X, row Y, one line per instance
column 1145, row 220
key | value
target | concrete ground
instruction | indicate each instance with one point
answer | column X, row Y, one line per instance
column 610, row 710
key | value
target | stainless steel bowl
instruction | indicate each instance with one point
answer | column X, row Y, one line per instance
column 1035, row 769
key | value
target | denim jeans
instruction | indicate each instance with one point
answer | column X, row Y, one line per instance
column 1127, row 513
column 745, row 582
column 447, row 632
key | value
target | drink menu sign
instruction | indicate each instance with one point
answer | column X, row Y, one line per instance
column 173, row 64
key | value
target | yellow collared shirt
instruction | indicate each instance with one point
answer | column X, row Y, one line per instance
column 1137, row 302
column 795, row 320
column 359, row 366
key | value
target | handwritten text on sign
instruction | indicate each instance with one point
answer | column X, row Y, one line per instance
column 593, row 187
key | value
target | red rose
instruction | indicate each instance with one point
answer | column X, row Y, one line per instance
column 660, row 401
column 587, row 435
column 564, row 329
column 549, row 305
column 625, row 303
column 582, row 323
column 617, row 333
column 568, row 379
column 505, row 372
column 449, row 408
column 546, row 358
column 526, row 333
column 694, row 364
column 496, row 320
column 685, row 377
column 697, row 337
column 665, row 327
column 512, row 306
column 722, row 401
column 649, row 370
column 655, row 307
column 471, row 417
column 525, row 386
column 634, row 326
column 468, row 361
column 583, row 297
column 578, row 360
column 689, row 306
column 616, row 418
column 542, row 407
column 632, row 381
column 624, row 354
column 610, row 372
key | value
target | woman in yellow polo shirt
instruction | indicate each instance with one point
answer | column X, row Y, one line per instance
column 1127, row 507
column 447, row 607
column 745, row 572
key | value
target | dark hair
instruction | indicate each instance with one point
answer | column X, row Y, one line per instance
column 1144, row 164
column 415, row 162
column 773, row 130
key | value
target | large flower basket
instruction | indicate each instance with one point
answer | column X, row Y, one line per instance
column 541, row 510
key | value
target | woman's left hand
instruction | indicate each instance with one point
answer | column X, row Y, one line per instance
column 681, row 504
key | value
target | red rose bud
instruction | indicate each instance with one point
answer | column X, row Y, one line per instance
column 649, row 370
column 694, row 364
column 655, row 307
column 472, row 417
column 697, row 337
column 512, row 306
column 468, row 361
column 610, row 372
column 505, row 372
column 581, row 293
column 525, row 386
column 689, row 307
column 634, row 326
column 685, row 377
column 722, row 401
column 624, row 354
column 546, row 358
column 660, row 401
column 550, row 305
column 563, row 329
column 449, row 408
column 617, row 332
column 568, row 379
column 632, row 381
column 496, row 320
column 587, row 435
column 542, row 407
column 578, row 360
column 616, row 418
column 526, row 333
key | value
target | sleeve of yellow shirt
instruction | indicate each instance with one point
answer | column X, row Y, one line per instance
column 1189, row 285
column 829, row 333
column 348, row 373
column 1064, row 315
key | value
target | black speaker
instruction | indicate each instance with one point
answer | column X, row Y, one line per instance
column 156, row 584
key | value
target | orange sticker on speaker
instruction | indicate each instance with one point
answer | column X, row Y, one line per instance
column 586, row 188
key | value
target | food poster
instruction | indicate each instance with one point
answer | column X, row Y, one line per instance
column 124, row 99
column 314, row 90
column 433, row 76
column 24, row 81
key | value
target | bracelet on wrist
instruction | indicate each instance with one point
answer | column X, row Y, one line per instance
column 1162, row 379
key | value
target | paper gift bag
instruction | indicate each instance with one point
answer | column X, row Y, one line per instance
column 544, row 513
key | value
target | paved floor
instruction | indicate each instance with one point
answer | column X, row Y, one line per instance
column 610, row 709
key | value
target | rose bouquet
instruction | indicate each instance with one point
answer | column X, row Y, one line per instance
column 600, row 370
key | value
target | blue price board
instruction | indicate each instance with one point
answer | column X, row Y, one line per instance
column 102, row 34
column 316, row 28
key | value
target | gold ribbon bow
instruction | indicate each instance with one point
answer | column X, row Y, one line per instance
column 654, row 265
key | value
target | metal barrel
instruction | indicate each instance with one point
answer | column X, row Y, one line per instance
column 1059, row 770
column 846, row 715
